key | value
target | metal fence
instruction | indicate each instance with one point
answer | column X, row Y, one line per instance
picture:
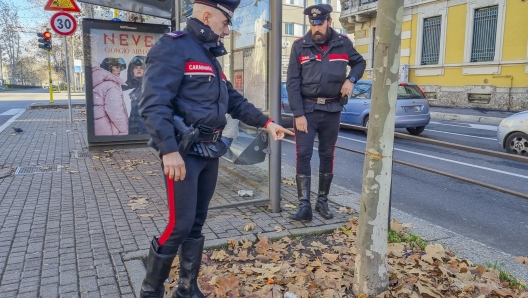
column 431, row 40
column 484, row 34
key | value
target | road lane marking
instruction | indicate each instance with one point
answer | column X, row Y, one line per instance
column 458, row 134
column 448, row 160
column 476, row 126
column 11, row 112
column 11, row 120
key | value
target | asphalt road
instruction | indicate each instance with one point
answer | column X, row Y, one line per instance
column 487, row 216
column 22, row 99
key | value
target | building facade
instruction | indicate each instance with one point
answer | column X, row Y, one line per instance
column 465, row 53
column 295, row 24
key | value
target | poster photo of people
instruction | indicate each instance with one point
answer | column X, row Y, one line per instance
column 115, row 54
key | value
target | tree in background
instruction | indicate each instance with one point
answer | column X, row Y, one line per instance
column 10, row 40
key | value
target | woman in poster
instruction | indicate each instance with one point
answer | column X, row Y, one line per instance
column 136, row 69
column 110, row 113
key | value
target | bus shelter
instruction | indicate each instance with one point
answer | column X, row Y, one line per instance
column 253, row 65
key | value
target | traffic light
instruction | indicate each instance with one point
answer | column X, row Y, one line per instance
column 44, row 40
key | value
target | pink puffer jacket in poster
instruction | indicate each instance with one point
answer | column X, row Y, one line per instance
column 110, row 113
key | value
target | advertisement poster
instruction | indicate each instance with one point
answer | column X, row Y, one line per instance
column 115, row 55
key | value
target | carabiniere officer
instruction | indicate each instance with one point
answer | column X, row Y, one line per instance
column 184, row 82
column 317, row 83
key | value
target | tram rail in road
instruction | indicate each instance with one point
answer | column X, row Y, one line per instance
column 512, row 157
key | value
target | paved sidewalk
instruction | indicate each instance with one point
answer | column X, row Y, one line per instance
column 81, row 225
column 76, row 224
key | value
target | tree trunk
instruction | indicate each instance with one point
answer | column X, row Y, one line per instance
column 370, row 276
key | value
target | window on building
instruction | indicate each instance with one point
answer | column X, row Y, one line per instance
column 431, row 40
column 298, row 29
column 288, row 30
column 295, row 2
column 323, row 1
column 484, row 34
column 341, row 31
column 338, row 6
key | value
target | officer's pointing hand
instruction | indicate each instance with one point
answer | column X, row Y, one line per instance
column 277, row 131
column 174, row 166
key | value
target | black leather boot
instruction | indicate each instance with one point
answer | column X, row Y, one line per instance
column 304, row 213
column 158, row 268
column 190, row 261
column 321, row 206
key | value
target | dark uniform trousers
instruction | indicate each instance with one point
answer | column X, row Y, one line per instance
column 326, row 125
column 188, row 202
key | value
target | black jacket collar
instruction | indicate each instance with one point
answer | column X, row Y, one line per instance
column 205, row 36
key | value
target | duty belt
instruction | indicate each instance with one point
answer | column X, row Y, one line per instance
column 322, row 100
column 210, row 137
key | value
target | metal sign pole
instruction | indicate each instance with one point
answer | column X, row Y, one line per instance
column 50, row 79
column 68, row 77
column 275, row 66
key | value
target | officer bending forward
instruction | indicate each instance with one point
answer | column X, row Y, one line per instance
column 183, row 79
column 317, row 80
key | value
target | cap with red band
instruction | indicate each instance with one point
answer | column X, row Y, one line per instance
column 226, row 6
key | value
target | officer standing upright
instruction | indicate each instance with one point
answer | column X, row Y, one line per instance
column 184, row 102
column 317, row 84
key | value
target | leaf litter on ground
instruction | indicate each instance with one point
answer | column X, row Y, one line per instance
column 323, row 266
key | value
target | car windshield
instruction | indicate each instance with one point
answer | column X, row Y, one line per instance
column 361, row 91
column 409, row 92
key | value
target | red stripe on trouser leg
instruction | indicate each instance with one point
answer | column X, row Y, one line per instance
column 172, row 213
column 295, row 143
column 333, row 151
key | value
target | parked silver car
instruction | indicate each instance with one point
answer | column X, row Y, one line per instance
column 412, row 107
column 512, row 133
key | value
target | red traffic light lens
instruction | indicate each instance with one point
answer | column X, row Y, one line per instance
column 47, row 35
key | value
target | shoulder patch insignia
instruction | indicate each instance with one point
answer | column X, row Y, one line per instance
column 344, row 35
column 298, row 39
column 175, row 34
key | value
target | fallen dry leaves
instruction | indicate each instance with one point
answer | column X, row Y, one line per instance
column 323, row 266
column 522, row 260
column 132, row 163
column 137, row 202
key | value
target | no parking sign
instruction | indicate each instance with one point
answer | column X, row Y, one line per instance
column 63, row 23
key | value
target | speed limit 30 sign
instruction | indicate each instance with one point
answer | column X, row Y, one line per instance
column 63, row 23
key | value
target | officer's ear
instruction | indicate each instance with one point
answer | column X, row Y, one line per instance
column 206, row 16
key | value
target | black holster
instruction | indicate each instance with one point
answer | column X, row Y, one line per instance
column 343, row 100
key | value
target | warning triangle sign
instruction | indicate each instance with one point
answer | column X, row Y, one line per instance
column 62, row 5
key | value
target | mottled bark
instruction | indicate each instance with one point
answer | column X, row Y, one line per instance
column 371, row 276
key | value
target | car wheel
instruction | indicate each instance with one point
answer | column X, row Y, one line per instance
column 517, row 143
column 366, row 123
column 415, row 130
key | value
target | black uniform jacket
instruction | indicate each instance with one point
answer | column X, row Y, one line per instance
column 313, row 73
column 183, row 78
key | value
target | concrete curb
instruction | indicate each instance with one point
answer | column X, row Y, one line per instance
column 39, row 106
column 472, row 118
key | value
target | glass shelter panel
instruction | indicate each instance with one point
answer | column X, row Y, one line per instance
column 246, row 67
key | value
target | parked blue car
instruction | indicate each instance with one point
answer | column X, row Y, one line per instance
column 412, row 107
column 287, row 116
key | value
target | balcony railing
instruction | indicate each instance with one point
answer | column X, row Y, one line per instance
column 362, row 2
